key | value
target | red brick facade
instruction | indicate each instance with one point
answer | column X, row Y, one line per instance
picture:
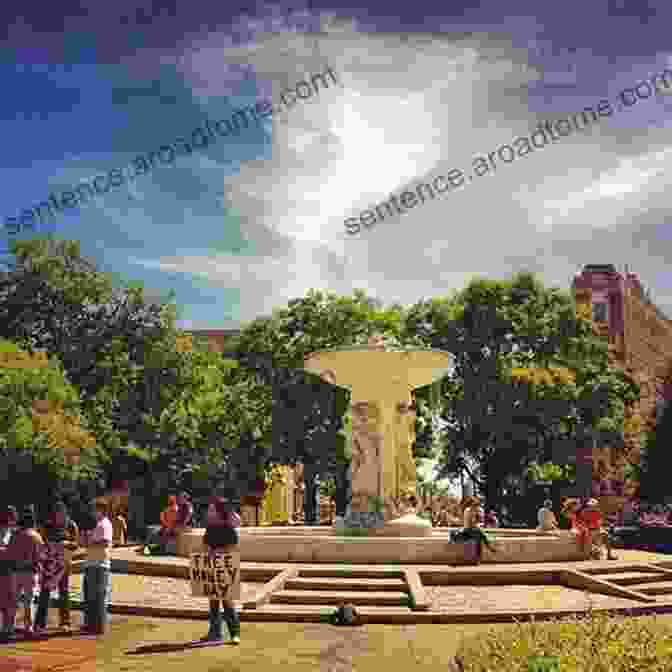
column 640, row 342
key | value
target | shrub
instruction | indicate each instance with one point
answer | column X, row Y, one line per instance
column 594, row 643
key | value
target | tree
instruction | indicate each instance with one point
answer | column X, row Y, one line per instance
column 307, row 413
column 531, row 380
column 119, row 350
column 40, row 429
column 654, row 462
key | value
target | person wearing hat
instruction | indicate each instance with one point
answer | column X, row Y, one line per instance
column 222, row 536
column 571, row 509
column 57, row 533
column 7, row 593
column 25, row 551
column 591, row 517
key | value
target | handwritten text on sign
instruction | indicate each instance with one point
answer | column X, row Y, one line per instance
column 215, row 576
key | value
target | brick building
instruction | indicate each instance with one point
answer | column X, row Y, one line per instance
column 640, row 343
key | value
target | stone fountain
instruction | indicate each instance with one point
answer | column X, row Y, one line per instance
column 381, row 379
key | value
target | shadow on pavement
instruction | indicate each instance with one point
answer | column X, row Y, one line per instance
column 170, row 648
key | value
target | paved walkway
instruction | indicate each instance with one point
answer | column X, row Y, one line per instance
column 455, row 603
column 475, row 598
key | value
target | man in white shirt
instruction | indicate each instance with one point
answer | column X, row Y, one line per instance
column 97, row 571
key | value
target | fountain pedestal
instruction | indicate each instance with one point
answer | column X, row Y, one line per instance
column 381, row 380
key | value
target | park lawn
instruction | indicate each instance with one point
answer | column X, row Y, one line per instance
column 267, row 646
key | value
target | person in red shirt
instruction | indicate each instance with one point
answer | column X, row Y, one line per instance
column 591, row 518
column 570, row 510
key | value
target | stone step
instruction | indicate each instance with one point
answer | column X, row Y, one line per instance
column 656, row 588
column 616, row 568
column 335, row 598
column 303, row 613
column 337, row 583
column 634, row 578
column 349, row 572
column 327, row 609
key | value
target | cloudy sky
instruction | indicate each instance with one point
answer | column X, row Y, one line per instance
column 246, row 224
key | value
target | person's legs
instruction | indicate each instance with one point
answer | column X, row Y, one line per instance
column 232, row 618
column 105, row 588
column 25, row 597
column 8, row 598
column 9, row 621
column 64, row 599
column 99, row 587
column 42, row 608
column 215, row 631
column 88, row 588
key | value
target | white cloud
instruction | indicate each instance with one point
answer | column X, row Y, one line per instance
column 409, row 107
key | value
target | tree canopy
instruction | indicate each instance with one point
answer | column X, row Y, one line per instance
column 531, row 380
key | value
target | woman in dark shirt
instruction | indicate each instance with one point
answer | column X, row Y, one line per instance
column 61, row 536
column 222, row 536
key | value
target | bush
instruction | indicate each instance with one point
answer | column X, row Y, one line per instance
column 595, row 643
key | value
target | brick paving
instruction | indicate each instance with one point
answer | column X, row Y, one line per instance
column 517, row 598
column 152, row 591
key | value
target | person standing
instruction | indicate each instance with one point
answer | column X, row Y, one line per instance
column 222, row 535
column 7, row 593
column 25, row 551
column 571, row 510
column 591, row 517
column 97, row 585
column 185, row 511
column 55, row 575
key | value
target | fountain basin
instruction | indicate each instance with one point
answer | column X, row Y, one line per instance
column 323, row 545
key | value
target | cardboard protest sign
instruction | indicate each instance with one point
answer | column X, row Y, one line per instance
column 215, row 576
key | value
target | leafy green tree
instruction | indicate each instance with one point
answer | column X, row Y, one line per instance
column 503, row 423
column 308, row 414
column 117, row 347
column 654, row 462
column 34, row 446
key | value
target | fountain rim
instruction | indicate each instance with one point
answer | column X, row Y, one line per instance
column 378, row 348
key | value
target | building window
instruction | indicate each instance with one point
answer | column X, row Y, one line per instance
column 600, row 312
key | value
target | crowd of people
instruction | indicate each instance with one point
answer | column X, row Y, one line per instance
column 36, row 561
